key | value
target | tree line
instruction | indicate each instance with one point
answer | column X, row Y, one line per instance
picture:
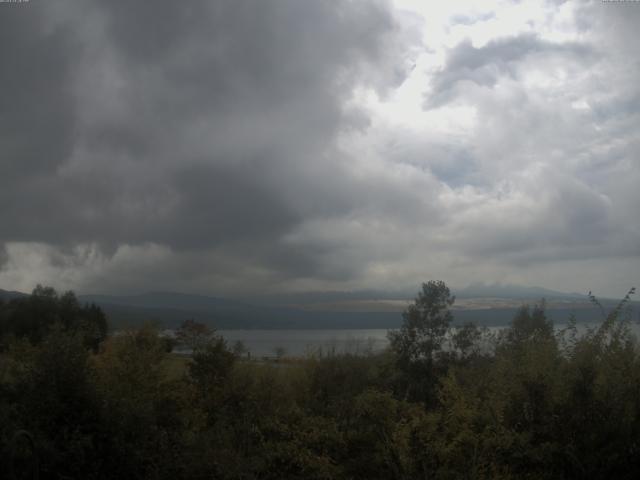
column 444, row 401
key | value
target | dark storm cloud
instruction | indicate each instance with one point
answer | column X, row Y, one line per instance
column 209, row 193
column 36, row 109
column 4, row 256
column 199, row 125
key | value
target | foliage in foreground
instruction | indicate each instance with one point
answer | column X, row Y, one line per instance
column 442, row 402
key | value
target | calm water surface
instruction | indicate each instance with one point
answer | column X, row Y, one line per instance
column 307, row 342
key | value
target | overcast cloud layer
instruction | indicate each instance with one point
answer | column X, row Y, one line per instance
column 267, row 146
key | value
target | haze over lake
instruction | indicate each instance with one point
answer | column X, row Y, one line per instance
column 315, row 342
column 308, row 342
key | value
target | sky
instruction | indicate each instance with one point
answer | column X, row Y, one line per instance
column 254, row 147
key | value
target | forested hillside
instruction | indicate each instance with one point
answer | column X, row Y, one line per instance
column 442, row 402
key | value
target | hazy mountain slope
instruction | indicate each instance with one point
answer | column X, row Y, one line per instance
column 512, row 291
column 8, row 295
column 482, row 304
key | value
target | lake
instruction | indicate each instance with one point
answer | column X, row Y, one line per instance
column 303, row 342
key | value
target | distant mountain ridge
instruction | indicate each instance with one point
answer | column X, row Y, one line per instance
column 484, row 304
column 512, row 291
column 165, row 300
column 8, row 295
column 474, row 290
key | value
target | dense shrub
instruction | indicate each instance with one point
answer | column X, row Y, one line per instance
column 532, row 402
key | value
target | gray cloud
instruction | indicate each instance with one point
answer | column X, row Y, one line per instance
column 223, row 147
column 564, row 220
column 471, row 19
column 36, row 112
column 204, row 126
column 483, row 66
